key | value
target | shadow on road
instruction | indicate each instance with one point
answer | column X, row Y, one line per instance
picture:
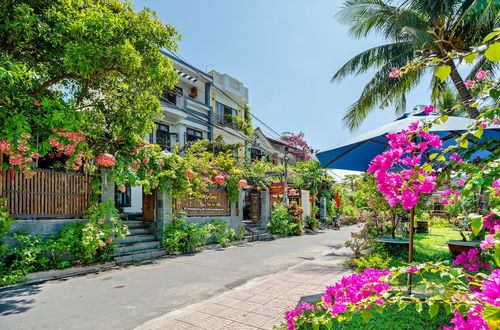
column 18, row 299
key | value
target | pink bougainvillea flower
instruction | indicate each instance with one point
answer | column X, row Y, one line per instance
column 413, row 126
column 488, row 243
column 428, row 109
column 454, row 156
column 100, row 221
column 474, row 320
column 460, row 183
column 470, row 261
column 395, row 73
column 470, row 84
column 491, row 288
column 413, row 269
column 481, row 74
column 496, row 183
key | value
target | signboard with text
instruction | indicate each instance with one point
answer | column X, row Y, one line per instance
column 215, row 204
column 277, row 188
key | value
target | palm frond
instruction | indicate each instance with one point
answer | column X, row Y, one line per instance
column 381, row 91
column 374, row 58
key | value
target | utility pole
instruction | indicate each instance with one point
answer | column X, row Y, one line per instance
column 285, row 192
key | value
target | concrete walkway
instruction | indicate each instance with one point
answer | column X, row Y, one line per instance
column 128, row 297
column 257, row 305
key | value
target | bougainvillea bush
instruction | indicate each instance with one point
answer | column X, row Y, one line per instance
column 468, row 287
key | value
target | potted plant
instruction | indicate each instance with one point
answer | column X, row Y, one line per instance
column 469, row 239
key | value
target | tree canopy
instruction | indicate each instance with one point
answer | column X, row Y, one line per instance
column 88, row 66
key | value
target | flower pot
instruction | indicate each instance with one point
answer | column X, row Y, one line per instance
column 457, row 247
column 422, row 227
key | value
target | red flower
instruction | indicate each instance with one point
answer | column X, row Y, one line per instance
column 36, row 103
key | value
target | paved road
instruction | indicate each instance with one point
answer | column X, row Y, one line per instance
column 127, row 297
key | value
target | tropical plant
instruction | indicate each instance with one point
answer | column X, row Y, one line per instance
column 281, row 220
column 415, row 29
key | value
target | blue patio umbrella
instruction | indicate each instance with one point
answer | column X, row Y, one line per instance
column 356, row 153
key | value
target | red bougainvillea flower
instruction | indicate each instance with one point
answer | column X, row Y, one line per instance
column 36, row 103
column 100, row 221
column 106, row 160
column 109, row 240
column 219, row 179
column 189, row 174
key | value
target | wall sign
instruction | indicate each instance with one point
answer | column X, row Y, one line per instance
column 216, row 204
column 277, row 188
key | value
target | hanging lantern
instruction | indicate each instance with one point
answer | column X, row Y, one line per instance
column 189, row 174
column 219, row 179
column 106, row 160
column 292, row 191
column 242, row 183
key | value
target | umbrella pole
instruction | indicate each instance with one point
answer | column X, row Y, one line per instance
column 410, row 247
column 393, row 223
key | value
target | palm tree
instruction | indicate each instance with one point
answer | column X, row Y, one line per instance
column 415, row 29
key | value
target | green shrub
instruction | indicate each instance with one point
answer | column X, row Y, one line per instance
column 220, row 232
column 312, row 223
column 186, row 238
column 372, row 260
column 281, row 221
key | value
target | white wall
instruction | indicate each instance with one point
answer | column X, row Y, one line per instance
column 135, row 201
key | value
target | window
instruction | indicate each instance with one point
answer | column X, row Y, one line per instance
column 193, row 135
column 173, row 95
column 162, row 136
column 224, row 113
column 256, row 154
column 123, row 199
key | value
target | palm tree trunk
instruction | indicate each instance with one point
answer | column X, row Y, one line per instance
column 462, row 89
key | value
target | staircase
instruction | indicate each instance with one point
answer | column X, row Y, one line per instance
column 255, row 232
column 139, row 245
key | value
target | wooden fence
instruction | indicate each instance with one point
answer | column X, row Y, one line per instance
column 216, row 204
column 48, row 194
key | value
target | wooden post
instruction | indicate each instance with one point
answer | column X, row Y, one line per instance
column 393, row 222
column 410, row 247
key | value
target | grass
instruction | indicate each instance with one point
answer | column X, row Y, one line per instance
column 393, row 319
column 432, row 246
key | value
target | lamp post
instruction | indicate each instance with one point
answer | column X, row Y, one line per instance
column 285, row 192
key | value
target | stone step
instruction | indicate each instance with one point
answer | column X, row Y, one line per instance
column 258, row 237
column 141, row 255
column 139, row 231
column 131, row 224
column 136, row 239
column 137, row 247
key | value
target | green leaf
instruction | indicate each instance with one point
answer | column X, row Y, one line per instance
column 491, row 313
column 494, row 93
column 490, row 36
column 476, row 224
column 470, row 58
column 432, row 156
column 367, row 316
column 441, row 159
column 433, row 310
column 493, row 52
column 419, row 307
column 315, row 324
column 444, row 119
column 464, row 144
column 497, row 254
column 479, row 132
column 443, row 72
column 447, row 308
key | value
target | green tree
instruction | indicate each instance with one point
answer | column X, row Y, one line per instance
column 414, row 29
column 92, row 66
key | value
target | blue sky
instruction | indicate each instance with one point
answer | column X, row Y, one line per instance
column 285, row 52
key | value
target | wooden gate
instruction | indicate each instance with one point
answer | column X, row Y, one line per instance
column 255, row 205
column 47, row 194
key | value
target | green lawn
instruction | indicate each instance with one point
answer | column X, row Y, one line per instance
column 432, row 246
